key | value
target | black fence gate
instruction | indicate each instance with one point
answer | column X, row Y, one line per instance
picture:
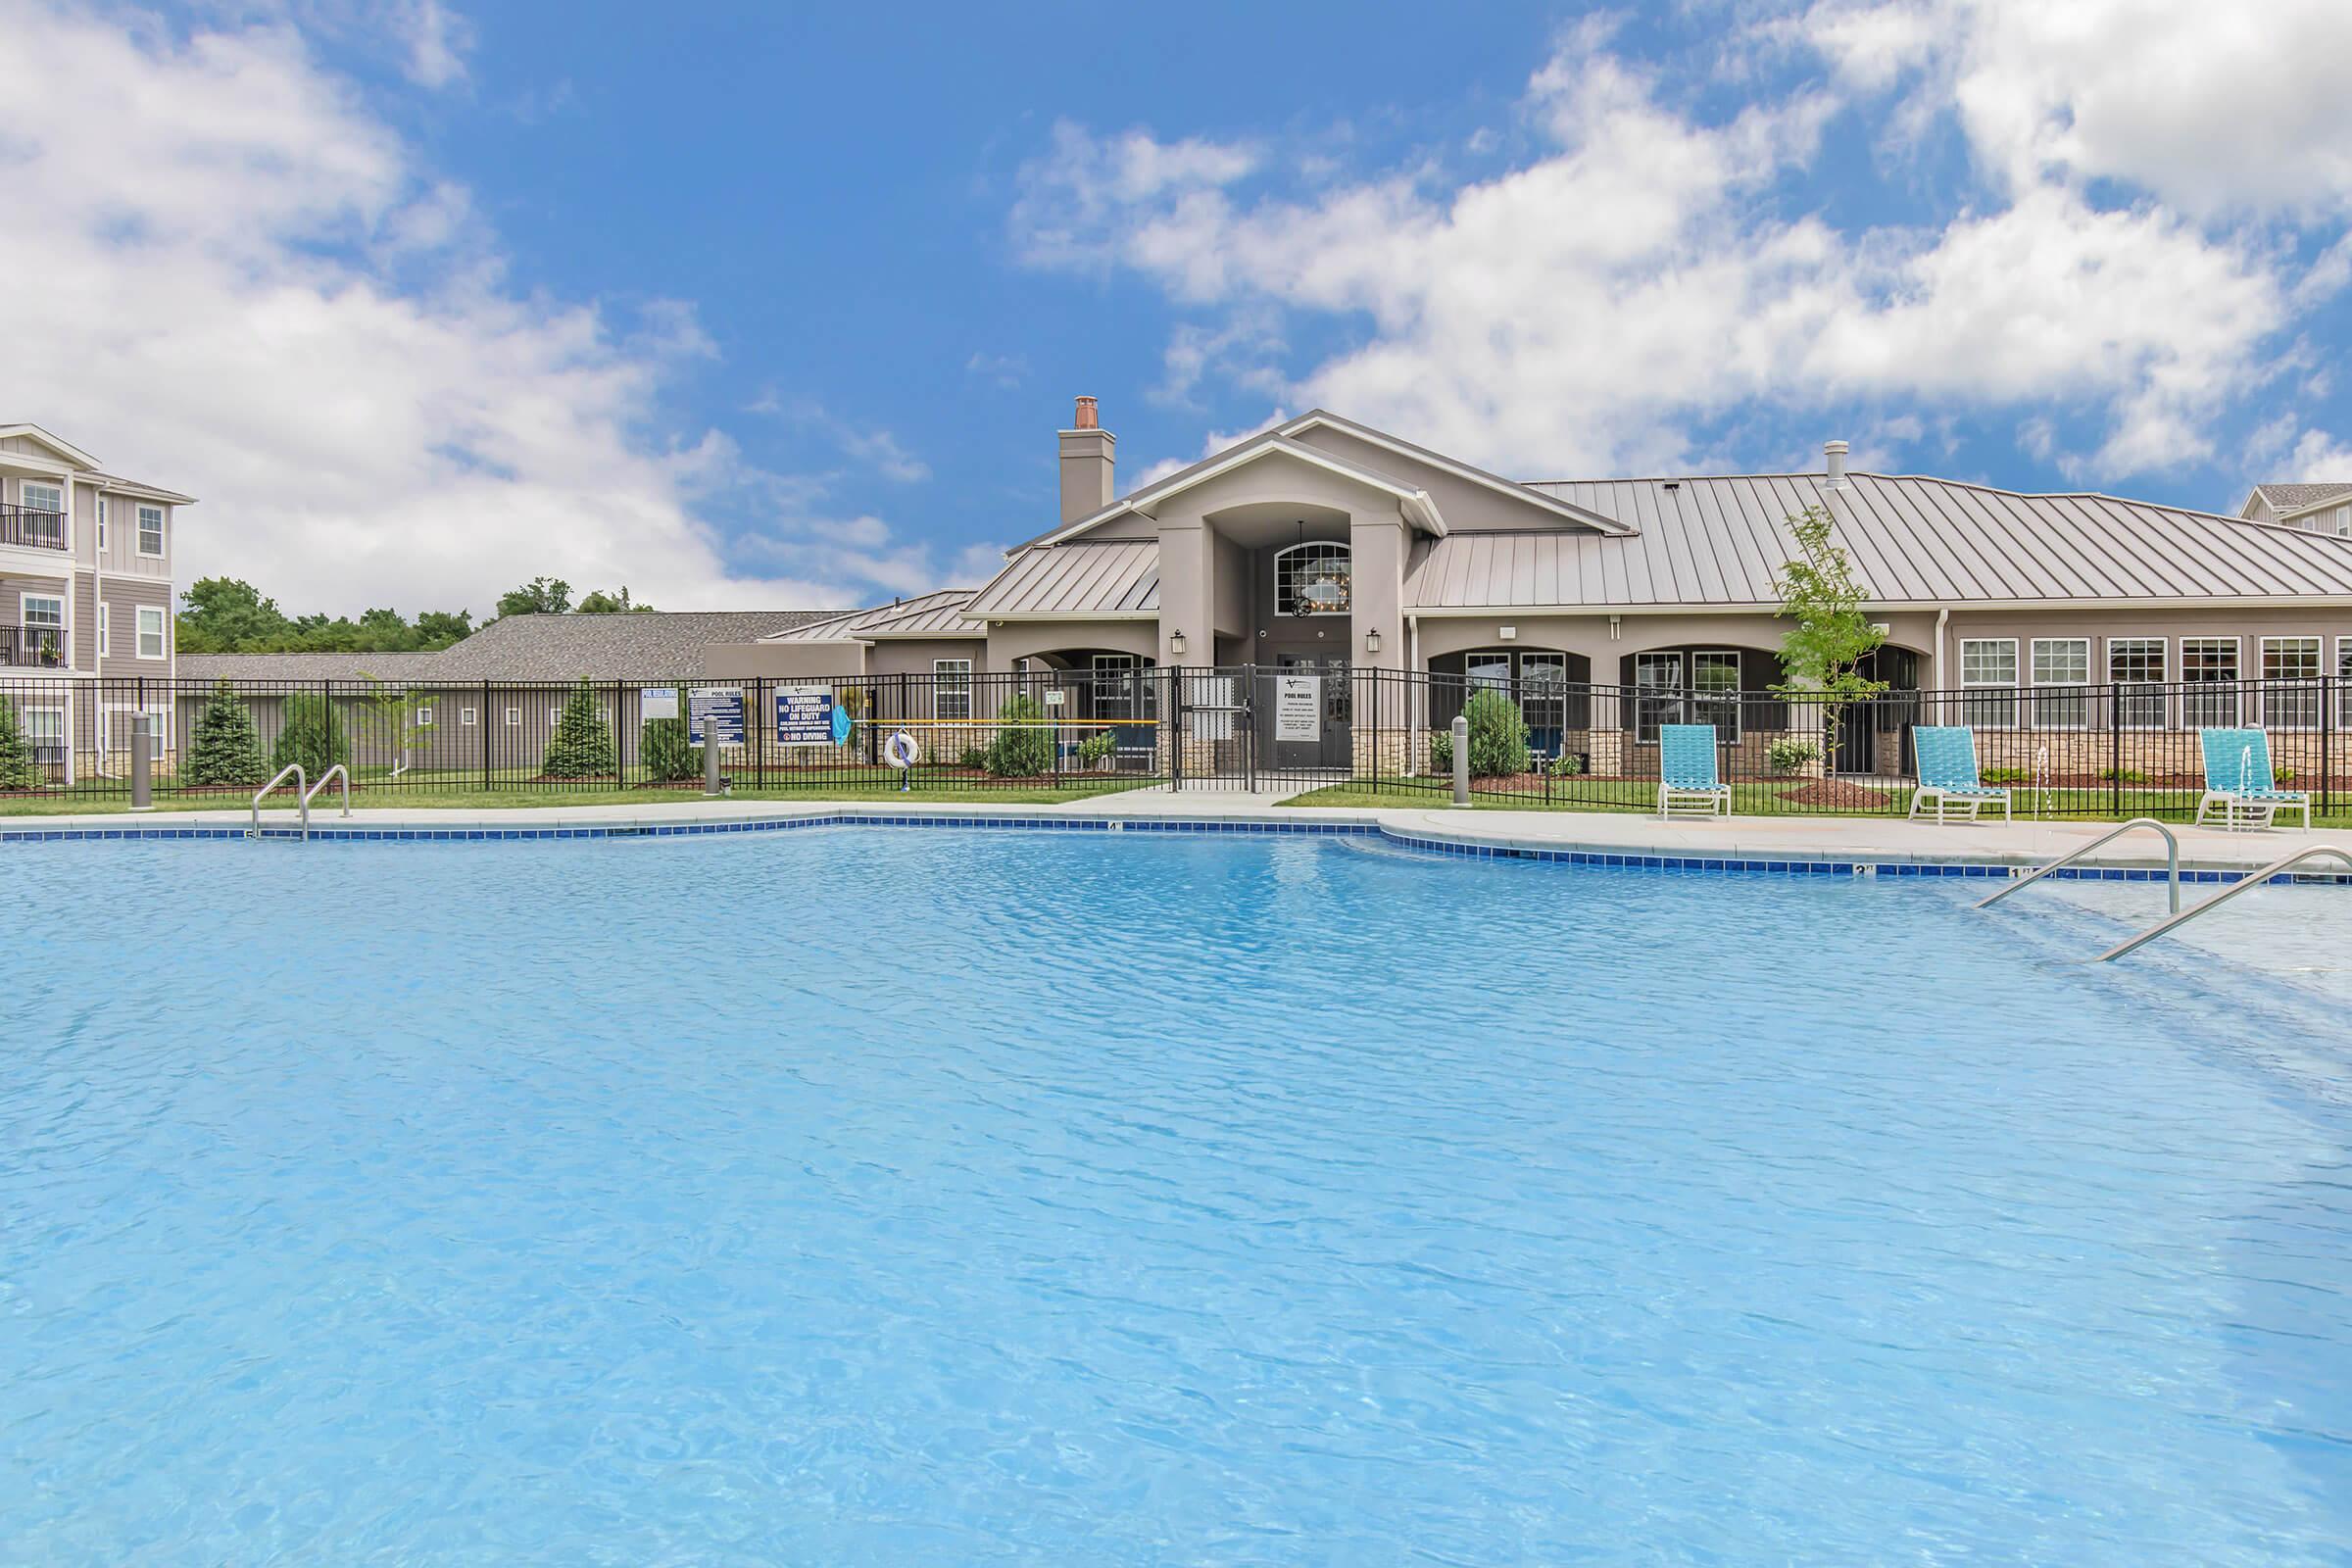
column 1248, row 725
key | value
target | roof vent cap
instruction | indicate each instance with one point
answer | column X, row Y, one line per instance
column 1834, row 452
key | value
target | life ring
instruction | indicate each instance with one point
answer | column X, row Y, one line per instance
column 901, row 751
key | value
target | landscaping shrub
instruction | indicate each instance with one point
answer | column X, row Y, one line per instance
column 972, row 760
column 1497, row 736
column 2007, row 775
column 1097, row 747
column 2123, row 775
column 1568, row 765
column 17, row 770
column 666, row 749
column 1023, row 747
column 1440, row 751
column 227, row 748
column 312, row 735
column 582, row 744
column 1789, row 756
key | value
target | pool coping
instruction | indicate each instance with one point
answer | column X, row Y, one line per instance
column 1731, row 845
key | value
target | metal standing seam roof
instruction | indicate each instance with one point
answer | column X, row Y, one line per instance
column 1913, row 540
column 1083, row 578
column 938, row 613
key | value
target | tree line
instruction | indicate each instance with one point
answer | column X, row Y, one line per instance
column 230, row 616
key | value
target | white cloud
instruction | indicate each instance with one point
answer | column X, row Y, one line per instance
column 2212, row 108
column 1585, row 312
column 245, row 286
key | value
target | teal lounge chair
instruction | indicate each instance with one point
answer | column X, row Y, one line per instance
column 1687, row 777
column 2240, row 789
column 1947, row 755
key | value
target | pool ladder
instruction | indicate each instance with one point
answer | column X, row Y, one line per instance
column 307, row 791
column 2172, row 875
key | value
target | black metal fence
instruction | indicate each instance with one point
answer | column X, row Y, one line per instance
column 2064, row 751
column 72, row 736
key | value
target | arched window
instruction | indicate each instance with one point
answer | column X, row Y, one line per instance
column 1312, row 579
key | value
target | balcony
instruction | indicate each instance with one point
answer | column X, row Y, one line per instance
column 32, row 647
column 30, row 529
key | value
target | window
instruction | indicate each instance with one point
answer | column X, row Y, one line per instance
column 151, row 631
column 2062, row 661
column 1123, row 687
column 43, row 617
column 1657, row 694
column 2136, row 665
column 514, row 718
column 2343, row 678
column 37, row 497
column 1543, row 693
column 45, row 733
column 2209, row 661
column 1715, row 691
column 1312, row 579
column 105, row 631
column 554, row 716
column 2290, row 676
column 1990, row 663
column 102, row 522
column 2343, row 522
column 115, row 730
column 466, row 717
column 1490, row 670
column 424, row 715
column 950, row 688
column 151, row 530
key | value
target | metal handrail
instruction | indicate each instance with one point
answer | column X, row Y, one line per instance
column 301, row 784
column 2172, row 861
column 338, row 771
column 2254, row 880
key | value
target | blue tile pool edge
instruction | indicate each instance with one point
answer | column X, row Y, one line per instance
column 1613, row 859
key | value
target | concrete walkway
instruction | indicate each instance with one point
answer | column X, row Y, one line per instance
column 1851, row 839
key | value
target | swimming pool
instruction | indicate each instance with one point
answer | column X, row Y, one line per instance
column 861, row 1195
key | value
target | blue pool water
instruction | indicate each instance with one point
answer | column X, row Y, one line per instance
column 872, row 1196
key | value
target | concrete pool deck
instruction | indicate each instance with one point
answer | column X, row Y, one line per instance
column 1856, row 840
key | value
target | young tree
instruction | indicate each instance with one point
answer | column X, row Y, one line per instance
column 312, row 735
column 1023, row 744
column 582, row 744
column 17, row 770
column 393, row 721
column 1823, row 653
column 1497, row 736
column 226, row 748
column 666, row 752
column 541, row 596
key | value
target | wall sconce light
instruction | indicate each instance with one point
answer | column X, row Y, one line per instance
column 1372, row 641
column 1615, row 624
column 1176, row 643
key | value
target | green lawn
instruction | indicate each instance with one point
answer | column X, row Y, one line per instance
column 1766, row 799
column 416, row 793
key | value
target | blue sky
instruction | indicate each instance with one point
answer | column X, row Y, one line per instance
column 754, row 305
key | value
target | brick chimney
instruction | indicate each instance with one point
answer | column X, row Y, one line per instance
column 1085, row 464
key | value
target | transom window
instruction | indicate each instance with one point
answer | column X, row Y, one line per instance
column 1312, row 580
column 2062, row 661
column 950, row 688
column 2291, row 674
column 151, row 530
column 2136, row 665
column 2210, row 662
column 1990, row 663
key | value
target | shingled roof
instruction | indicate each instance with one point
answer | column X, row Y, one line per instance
column 2288, row 498
column 645, row 645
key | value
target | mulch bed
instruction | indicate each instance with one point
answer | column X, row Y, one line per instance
column 1838, row 792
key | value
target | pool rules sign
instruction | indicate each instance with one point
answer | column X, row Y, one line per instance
column 1298, row 707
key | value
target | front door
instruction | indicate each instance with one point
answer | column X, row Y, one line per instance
column 1306, row 711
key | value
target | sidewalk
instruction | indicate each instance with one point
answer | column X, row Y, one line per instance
column 1849, row 839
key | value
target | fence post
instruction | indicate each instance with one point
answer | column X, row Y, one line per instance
column 753, row 735
column 2115, row 748
column 2327, row 702
column 486, row 712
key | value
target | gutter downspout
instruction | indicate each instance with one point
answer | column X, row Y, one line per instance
column 1944, row 618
